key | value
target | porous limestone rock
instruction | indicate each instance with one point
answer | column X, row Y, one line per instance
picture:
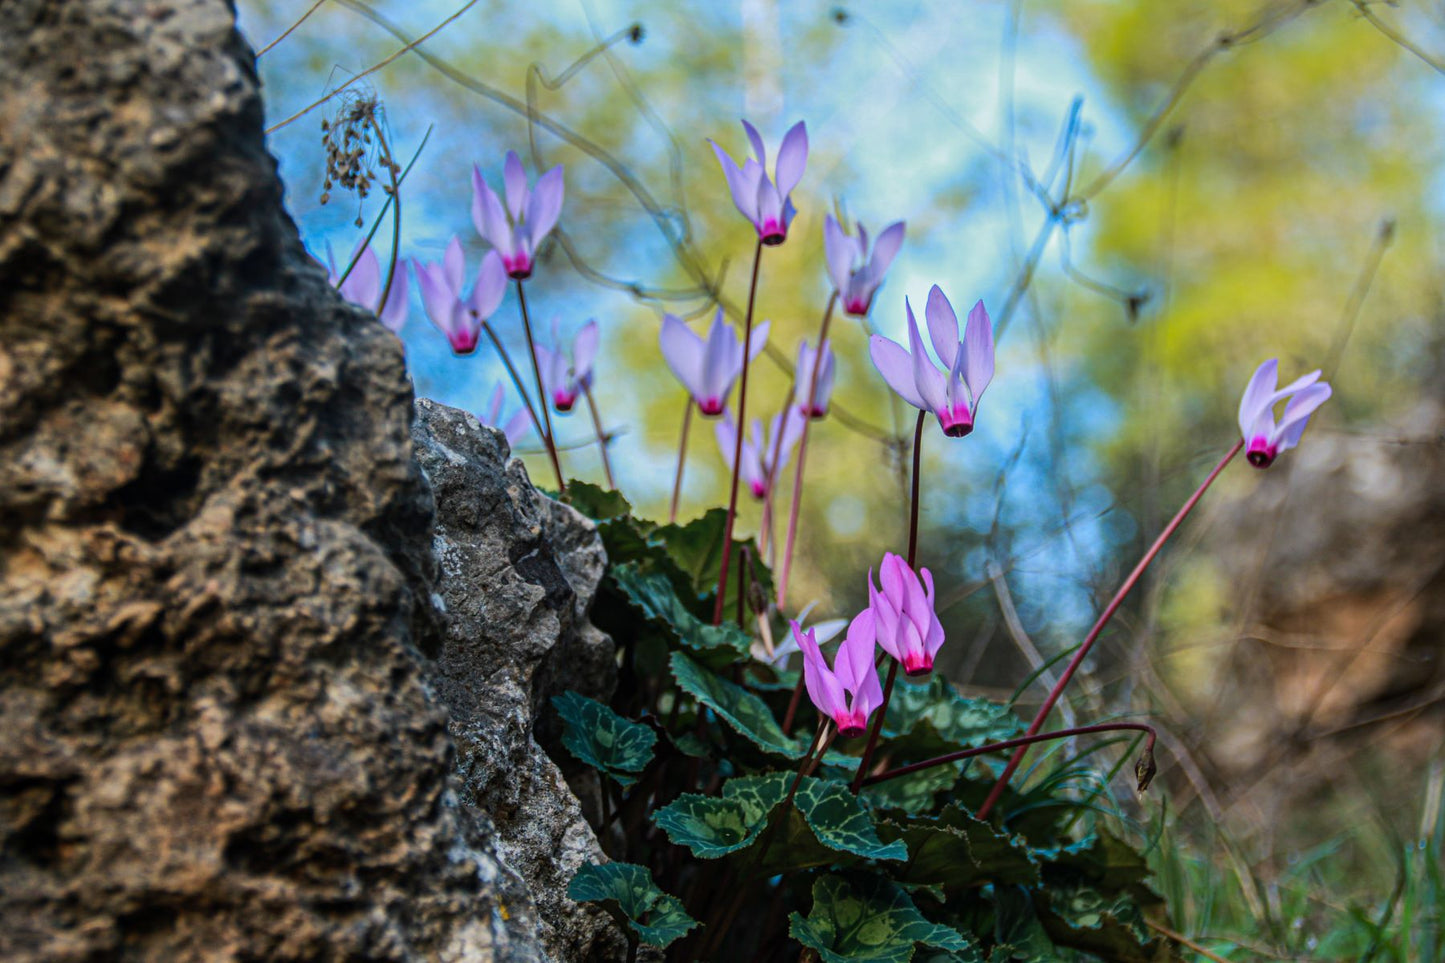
column 224, row 732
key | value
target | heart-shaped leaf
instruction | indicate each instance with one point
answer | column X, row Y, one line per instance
column 627, row 889
column 603, row 739
column 863, row 917
column 743, row 711
column 653, row 594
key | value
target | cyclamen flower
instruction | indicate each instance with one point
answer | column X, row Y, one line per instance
column 803, row 382
column 363, row 286
column 952, row 394
column 1264, row 439
column 566, row 377
column 459, row 318
column 856, row 276
column 907, row 627
column 765, row 202
column 515, row 427
column 707, row 369
column 757, row 453
column 852, row 674
column 516, row 229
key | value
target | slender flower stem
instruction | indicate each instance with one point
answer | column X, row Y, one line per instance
column 803, row 452
column 681, row 460
column 1103, row 620
column 912, row 558
column 773, row 473
column 512, row 373
column 727, row 545
column 601, row 437
column 1012, row 743
column 541, row 390
column 913, row 502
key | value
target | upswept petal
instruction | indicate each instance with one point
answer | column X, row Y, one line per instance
column 886, row 619
column 683, row 351
column 494, row 407
column 516, row 427
column 841, row 252
column 545, row 204
column 792, row 158
column 1260, row 387
column 756, row 140
column 758, row 340
column 744, row 195
column 885, row 249
column 496, row 229
column 514, row 180
column 454, row 266
column 725, row 430
column 436, row 296
column 721, row 360
column 769, row 204
column 393, row 313
column 491, row 285
column 363, row 284
column 1297, row 414
column 942, row 326
column 479, row 190
column 896, row 367
column 584, row 353
column 930, row 382
column 854, row 661
column 823, row 687
column 978, row 350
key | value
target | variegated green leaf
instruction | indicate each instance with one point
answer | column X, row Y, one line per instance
column 657, row 918
column 713, row 826
column 603, row 739
column 743, row 711
column 862, row 917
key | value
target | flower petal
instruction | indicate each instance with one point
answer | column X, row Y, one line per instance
column 683, row 351
column 490, row 286
column 926, row 378
column 792, row 158
column 514, row 179
column 896, row 367
column 978, row 351
column 454, row 266
column 885, row 249
column 840, row 250
column 1297, row 414
column 758, row 340
column 942, row 326
column 545, row 205
column 363, row 284
column 393, row 313
column 756, row 140
column 436, row 295
column 744, row 195
column 1260, row 387
column 584, row 352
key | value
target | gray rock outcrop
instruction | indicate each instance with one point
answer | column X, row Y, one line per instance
column 224, row 683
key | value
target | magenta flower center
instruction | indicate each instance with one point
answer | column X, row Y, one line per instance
column 564, row 400
column 710, row 406
column 463, row 342
column 856, row 306
column 518, row 266
column 1261, row 453
column 956, row 422
column 917, row 663
column 772, row 231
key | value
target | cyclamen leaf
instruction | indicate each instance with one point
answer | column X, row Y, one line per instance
column 863, row 917
column 933, row 719
column 744, row 712
column 653, row 594
column 713, row 826
column 957, row 851
column 1079, row 916
column 840, row 821
column 596, row 502
column 1102, row 859
column 696, row 547
column 656, row 917
column 603, row 739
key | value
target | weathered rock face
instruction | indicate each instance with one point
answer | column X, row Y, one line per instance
column 223, row 736
column 517, row 575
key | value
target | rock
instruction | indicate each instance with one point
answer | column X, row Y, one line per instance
column 517, row 575
column 223, row 683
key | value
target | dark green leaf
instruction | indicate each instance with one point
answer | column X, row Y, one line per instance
column 957, row 851
column 596, row 502
column 696, row 547
column 1079, row 916
column 1101, row 859
column 933, row 719
column 863, row 917
column 653, row 594
column 742, row 710
column 657, row 918
column 840, row 821
column 603, row 739
column 713, row 826
column 1018, row 933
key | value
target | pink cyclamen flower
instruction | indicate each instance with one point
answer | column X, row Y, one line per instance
column 852, row 674
column 707, row 369
column 363, row 286
column 1264, row 438
column 516, row 228
column 514, row 427
column 567, row 377
column 767, row 203
column 908, row 628
column 951, row 394
column 856, row 276
column 803, row 382
column 460, row 318
column 757, row 455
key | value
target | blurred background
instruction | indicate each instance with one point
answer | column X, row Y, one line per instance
column 1151, row 199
